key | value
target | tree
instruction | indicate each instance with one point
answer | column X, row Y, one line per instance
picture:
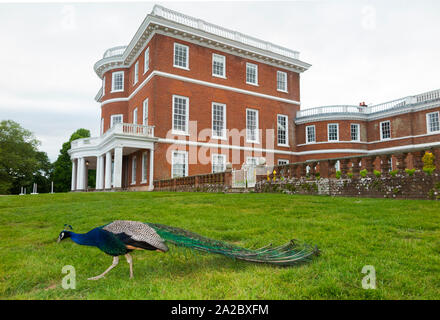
column 21, row 164
column 62, row 173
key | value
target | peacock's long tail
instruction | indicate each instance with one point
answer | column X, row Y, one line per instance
column 288, row 254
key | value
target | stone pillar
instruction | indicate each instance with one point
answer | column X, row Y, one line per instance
column 73, row 184
column 369, row 165
column 312, row 170
column 436, row 153
column 356, row 167
column 401, row 166
column 324, row 169
column 302, row 170
column 151, row 171
column 108, row 170
column 80, row 174
column 332, row 168
column 417, row 160
column 384, row 164
column 117, row 169
column 344, row 167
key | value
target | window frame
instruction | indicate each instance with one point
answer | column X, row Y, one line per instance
column 145, row 103
column 307, row 134
column 187, row 56
column 248, row 64
column 257, row 127
column 381, row 130
column 173, row 130
column 337, row 132
column 144, row 167
column 428, row 127
column 214, row 55
column 358, row 126
column 223, row 156
column 286, row 131
column 133, row 169
column 114, row 74
column 147, row 60
column 135, row 115
column 103, row 85
column 112, row 123
column 185, row 159
column 285, row 81
column 136, row 73
column 213, row 133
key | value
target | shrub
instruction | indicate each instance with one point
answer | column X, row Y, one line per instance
column 393, row 173
column 428, row 162
column 350, row 175
column 410, row 172
column 363, row 173
column 428, row 171
column 377, row 173
column 338, row 174
column 318, row 175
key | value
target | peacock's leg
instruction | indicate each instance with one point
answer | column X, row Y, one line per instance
column 114, row 264
column 130, row 262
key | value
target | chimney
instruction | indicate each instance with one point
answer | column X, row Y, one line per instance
column 362, row 104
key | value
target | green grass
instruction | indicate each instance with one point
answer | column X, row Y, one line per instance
column 400, row 238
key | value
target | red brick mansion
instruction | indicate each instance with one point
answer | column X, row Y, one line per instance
column 186, row 97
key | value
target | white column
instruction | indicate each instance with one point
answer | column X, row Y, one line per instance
column 100, row 172
column 80, row 174
column 73, row 185
column 108, row 170
column 151, row 171
column 117, row 174
column 86, row 175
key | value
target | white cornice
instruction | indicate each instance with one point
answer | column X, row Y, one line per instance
column 199, row 82
column 154, row 24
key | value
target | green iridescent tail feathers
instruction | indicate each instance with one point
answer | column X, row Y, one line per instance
column 288, row 254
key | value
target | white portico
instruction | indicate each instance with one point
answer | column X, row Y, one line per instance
column 106, row 153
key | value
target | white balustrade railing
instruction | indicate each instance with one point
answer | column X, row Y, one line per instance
column 329, row 109
column 115, row 51
column 428, row 96
column 398, row 103
column 222, row 32
column 128, row 129
column 388, row 105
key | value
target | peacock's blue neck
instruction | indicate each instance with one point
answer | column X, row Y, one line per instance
column 85, row 239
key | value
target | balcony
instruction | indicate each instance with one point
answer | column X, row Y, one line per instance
column 120, row 129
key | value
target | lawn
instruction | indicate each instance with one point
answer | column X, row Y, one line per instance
column 400, row 238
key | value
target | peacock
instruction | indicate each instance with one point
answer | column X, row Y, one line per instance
column 121, row 237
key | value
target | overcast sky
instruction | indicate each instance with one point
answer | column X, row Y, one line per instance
column 371, row 51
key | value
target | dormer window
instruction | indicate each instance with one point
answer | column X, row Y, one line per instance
column 118, row 81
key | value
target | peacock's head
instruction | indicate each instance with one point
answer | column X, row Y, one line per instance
column 65, row 233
